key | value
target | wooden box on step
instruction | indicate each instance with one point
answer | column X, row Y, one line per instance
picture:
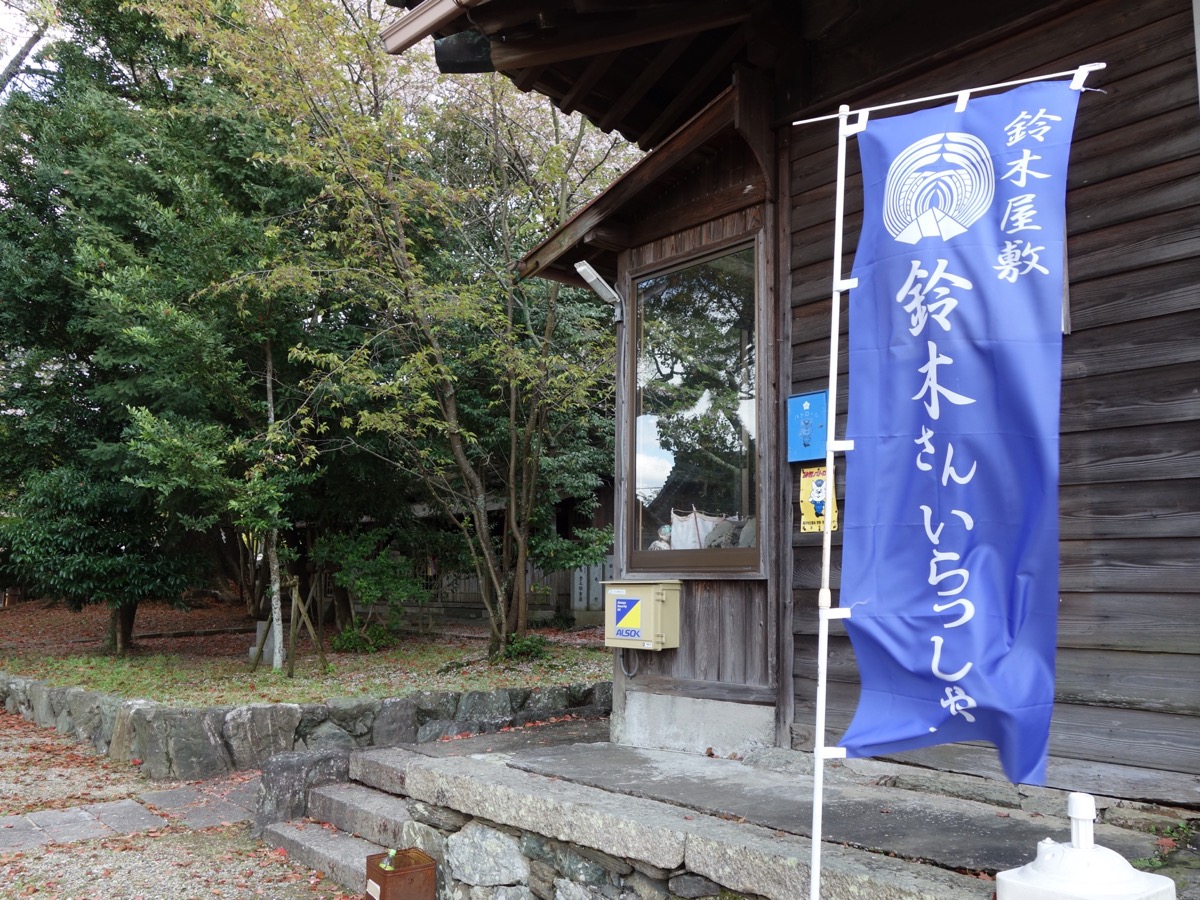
column 413, row 876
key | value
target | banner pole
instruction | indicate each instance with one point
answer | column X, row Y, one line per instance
column 826, row 610
column 825, row 596
column 1078, row 76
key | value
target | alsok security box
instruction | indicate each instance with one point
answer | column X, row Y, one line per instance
column 641, row 615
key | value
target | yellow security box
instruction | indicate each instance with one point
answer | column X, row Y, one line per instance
column 641, row 615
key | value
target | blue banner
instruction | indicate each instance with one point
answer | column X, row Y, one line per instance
column 950, row 554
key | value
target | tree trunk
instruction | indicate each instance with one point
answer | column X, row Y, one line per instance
column 14, row 65
column 343, row 609
column 276, row 599
column 272, row 542
column 120, row 627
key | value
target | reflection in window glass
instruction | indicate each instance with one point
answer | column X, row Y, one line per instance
column 694, row 465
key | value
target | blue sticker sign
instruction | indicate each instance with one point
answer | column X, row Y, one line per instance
column 807, row 426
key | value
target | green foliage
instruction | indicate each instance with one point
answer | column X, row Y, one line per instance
column 72, row 536
column 363, row 637
column 526, row 647
column 365, row 565
column 258, row 271
column 411, row 665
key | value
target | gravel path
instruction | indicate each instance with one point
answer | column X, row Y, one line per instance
column 182, row 840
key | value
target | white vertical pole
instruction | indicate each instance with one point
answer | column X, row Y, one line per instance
column 825, row 607
column 825, row 597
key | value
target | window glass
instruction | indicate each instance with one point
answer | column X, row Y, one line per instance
column 694, row 445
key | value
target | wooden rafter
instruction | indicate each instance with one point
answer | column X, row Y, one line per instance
column 710, row 121
column 589, row 39
column 646, row 79
column 696, row 85
column 527, row 78
column 596, row 68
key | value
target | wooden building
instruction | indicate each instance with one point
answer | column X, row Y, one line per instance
column 737, row 199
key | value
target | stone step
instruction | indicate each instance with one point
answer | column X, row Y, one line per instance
column 737, row 855
column 341, row 856
column 354, row 808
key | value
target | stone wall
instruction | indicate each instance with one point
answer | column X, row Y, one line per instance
column 477, row 859
column 173, row 742
column 483, row 859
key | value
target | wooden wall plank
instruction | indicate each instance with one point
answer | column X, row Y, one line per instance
column 733, row 636
column 723, row 637
column 1163, row 623
column 702, row 690
column 1130, row 565
column 1149, row 397
column 1151, row 290
column 1063, row 773
column 1124, row 508
column 1156, row 623
column 1155, row 682
column 1127, row 454
column 1149, row 740
column 707, row 646
column 1159, row 239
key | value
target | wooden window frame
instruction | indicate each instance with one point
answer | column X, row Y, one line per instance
column 721, row 563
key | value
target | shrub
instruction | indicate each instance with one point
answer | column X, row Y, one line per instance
column 531, row 646
column 358, row 637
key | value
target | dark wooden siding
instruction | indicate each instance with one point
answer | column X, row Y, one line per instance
column 729, row 639
column 1129, row 657
column 725, row 650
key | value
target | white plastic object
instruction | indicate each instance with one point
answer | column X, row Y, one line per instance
column 1081, row 870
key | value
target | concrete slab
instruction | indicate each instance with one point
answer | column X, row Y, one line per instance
column 555, row 734
column 243, row 793
column 952, row 832
column 65, row 826
column 211, row 813
column 342, row 856
column 125, row 816
column 172, row 798
column 18, row 833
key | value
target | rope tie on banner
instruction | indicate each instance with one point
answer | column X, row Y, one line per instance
column 852, row 122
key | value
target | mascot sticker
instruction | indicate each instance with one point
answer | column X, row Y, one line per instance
column 817, row 500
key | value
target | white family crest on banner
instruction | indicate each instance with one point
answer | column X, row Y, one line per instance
column 937, row 187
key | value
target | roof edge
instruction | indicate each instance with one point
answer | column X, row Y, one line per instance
column 706, row 124
column 423, row 21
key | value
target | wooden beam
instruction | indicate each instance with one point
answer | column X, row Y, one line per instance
column 1196, row 31
column 715, row 205
column 646, row 79
column 423, row 21
column 602, row 6
column 710, row 121
column 584, row 40
column 702, row 690
column 609, row 236
column 752, row 118
column 684, row 98
column 596, row 68
column 494, row 17
column 527, row 78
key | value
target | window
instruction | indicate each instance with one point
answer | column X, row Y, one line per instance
column 694, row 471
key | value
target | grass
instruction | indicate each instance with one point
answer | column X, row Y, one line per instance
column 414, row 664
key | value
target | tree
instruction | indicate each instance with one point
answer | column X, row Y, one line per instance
column 86, row 541
column 131, row 208
column 478, row 387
